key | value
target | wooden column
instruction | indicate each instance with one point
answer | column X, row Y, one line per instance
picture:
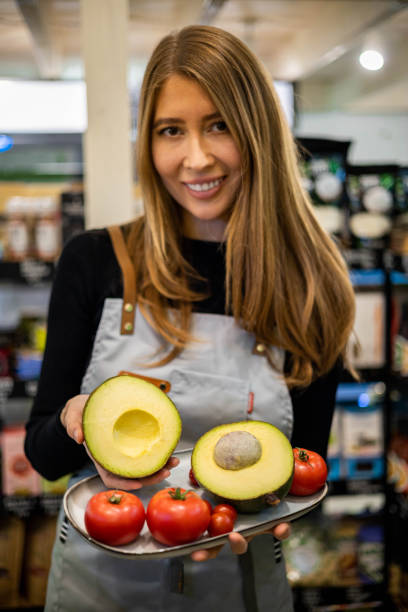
column 108, row 176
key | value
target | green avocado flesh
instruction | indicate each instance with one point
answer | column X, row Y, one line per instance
column 130, row 426
column 260, row 482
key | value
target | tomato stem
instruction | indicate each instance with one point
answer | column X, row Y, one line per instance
column 115, row 498
column 302, row 455
column 177, row 494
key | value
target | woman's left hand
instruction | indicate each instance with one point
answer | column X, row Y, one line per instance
column 239, row 544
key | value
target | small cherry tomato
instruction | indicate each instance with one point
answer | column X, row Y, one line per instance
column 114, row 517
column 192, row 478
column 175, row 516
column 310, row 472
column 227, row 509
column 220, row 522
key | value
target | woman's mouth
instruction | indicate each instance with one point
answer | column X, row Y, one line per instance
column 204, row 189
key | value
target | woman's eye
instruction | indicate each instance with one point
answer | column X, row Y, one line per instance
column 219, row 126
column 171, row 130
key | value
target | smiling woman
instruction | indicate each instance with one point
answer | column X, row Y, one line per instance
column 227, row 289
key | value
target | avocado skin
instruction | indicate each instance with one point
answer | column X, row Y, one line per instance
column 251, row 506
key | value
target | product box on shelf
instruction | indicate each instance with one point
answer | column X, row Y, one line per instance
column 72, row 213
column 18, row 476
column 372, row 210
column 356, row 446
column 363, row 447
column 39, row 539
column 12, row 533
column 323, row 167
column 400, row 336
column 367, row 344
column 334, row 461
column 336, row 551
column 33, row 228
column 397, row 472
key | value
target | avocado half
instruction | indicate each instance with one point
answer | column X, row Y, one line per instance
column 248, row 464
column 130, row 426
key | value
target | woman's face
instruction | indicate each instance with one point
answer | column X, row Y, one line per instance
column 196, row 157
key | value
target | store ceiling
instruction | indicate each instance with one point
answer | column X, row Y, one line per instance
column 313, row 42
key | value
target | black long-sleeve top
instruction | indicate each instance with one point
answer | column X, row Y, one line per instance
column 86, row 274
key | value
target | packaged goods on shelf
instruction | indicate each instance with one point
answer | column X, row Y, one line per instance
column 401, row 190
column 47, row 229
column 363, row 447
column 39, row 539
column 356, row 448
column 334, row 457
column 72, row 213
column 55, row 487
column 29, row 345
column 6, row 350
column 323, row 169
column 33, row 228
column 17, row 246
column 399, row 233
column 18, row 476
column 335, row 552
column 372, row 207
column 12, row 533
column 397, row 476
column 400, row 338
column 367, row 344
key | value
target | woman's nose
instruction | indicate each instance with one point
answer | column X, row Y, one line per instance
column 197, row 153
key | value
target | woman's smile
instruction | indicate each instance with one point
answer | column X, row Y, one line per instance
column 205, row 188
column 196, row 157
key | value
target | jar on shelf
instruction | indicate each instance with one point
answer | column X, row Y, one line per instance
column 18, row 239
column 48, row 229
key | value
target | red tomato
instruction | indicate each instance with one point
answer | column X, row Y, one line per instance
column 192, row 478
column 220, row 523
column 310, row 472
column 114, row 517
column 227, row 509
column 175, row 516
column 209, row 506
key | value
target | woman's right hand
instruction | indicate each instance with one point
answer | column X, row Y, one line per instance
column 71, row 418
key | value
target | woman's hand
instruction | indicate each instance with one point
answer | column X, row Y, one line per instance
column 113, row 481
column 71, row 418
column 239, row 544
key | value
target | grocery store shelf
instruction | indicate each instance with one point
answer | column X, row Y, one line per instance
column 29, row 271
column 354, row 504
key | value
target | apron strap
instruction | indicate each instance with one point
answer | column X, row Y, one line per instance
column 129, row 281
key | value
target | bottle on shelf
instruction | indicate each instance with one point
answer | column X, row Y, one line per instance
column 47, row 229
column 18, row 239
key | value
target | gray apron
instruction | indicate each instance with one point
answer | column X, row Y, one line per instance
column 222, row 378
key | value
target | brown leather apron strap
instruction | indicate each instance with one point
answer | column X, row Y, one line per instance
column 164, row 385
column 129, row 281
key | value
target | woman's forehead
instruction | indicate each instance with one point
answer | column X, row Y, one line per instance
column 181, row 95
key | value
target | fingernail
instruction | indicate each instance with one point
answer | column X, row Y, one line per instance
column 77, row 436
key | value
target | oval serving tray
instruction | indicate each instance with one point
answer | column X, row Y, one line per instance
column 146, row 547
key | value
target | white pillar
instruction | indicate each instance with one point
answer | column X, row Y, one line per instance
column 108, row 176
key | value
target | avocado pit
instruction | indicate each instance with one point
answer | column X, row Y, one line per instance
column 237, row 450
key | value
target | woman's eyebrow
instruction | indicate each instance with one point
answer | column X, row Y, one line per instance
column 166, row 120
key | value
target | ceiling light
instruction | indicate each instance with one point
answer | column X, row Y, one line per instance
column 371, row 60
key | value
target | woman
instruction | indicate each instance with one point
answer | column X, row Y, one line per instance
column 242, row 303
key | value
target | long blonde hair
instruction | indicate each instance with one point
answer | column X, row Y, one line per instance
column 285, row 280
